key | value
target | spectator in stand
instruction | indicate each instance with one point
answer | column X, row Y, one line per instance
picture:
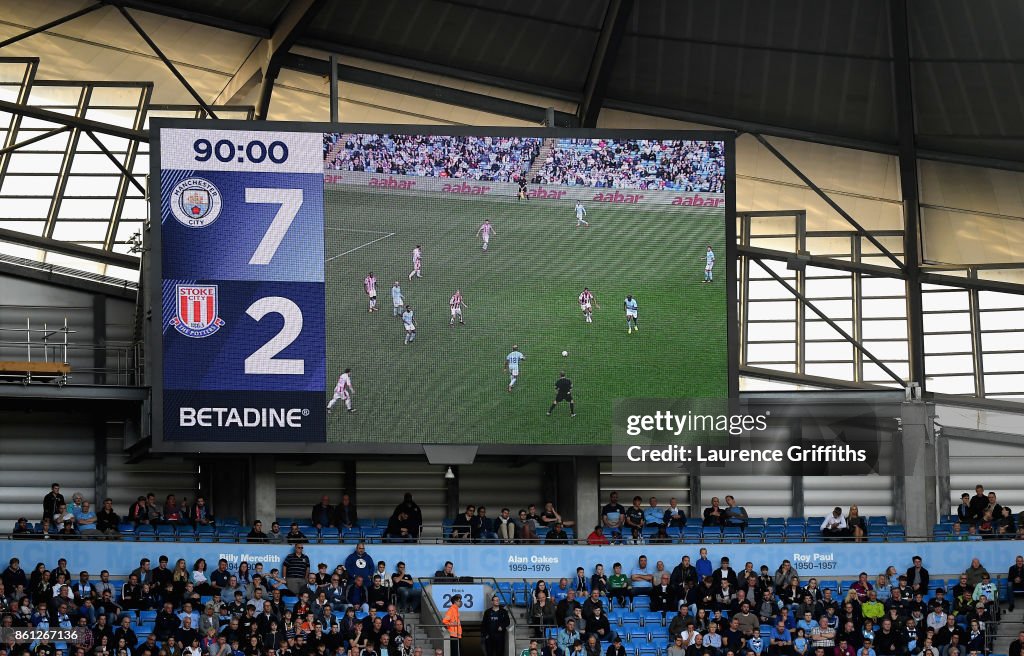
column 137, row 512
column 599, row 580
column 52, row 501
column 172, row 512
column 1017, row 646
column 541, row 614
column 713, row 514
column 294, row 569
column 407, row 596
column 674, row 516
column 834, row 525
column 505, row 527
column 635, row 519
column 917, row 576
column 550, row 516
column 1015, row 582
column 557, row 535
column 323, row 513
column 978, row 504
column 526, row 529
column 663, row 595
column 86, row 520
column 619, row 587
column 256, row 534
column 613, row 515
column 200, row 514
column 154, row 515
column 108, row 521
column 703, row 565
column 641, row 578
column 295, row 535
column 400, row 529
column 862, row 587
column 68, row 531
column 653, row 515
column 975, row 573
column 462, row 525
column 276, row 536
column 22, row 529
column 481, row 529
column 409, row 507
column 734, row 515
column 597, row 536
column 856, row 525
column 345, row 515
column 963, row 512
column 63, row 515
column 359, row 563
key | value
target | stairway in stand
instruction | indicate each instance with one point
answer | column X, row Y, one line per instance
column 538, row 163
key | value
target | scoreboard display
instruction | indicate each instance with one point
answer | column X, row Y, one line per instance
column 340, row 287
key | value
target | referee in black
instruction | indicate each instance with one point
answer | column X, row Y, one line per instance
column 563, row 392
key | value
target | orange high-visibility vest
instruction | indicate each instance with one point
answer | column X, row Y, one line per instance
column 452, row 622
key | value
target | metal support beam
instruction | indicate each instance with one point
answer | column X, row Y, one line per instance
column 601, row 64
column 828, row 199
column 824, row 317
column 68, row 248
column 52, row 24
column 47, row 273
column 167, row 62
column 172, row 10
column 823, row 262
column 426, row 90
column 333, row 61
column 261, row 68
column 297, row 15
column 903, row 93
column 35, row 139
column 791, row 378
column 120, row 167
column 73, row 121
column 99, row 455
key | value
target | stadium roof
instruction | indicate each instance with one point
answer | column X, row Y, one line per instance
column 825, row 70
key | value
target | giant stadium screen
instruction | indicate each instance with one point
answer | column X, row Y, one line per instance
column 339, row 287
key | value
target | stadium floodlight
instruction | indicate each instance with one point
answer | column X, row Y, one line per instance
column 449, row 475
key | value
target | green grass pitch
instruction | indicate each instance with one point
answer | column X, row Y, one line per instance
column 448, row 386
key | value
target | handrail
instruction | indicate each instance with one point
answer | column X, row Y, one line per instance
column 228, row 538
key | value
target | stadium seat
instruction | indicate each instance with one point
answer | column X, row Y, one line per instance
column 774, row 521
column 641, row 603
column 351, row 535
column 330, row 535
column 615, row 616
column 520, row 595
column 653, row 618
column 147, row 617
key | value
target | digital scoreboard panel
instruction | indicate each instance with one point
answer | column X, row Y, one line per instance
column 345, row 287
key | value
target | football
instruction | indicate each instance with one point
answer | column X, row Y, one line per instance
column 565, row 354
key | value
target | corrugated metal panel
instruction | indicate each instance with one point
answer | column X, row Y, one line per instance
column 163, row 476
column 38, row 449
column 996, row 466
column 871, row 494
column 300, row 486
column 480, row 485
column 650, row 484
column 762, row 496
column 382, row 483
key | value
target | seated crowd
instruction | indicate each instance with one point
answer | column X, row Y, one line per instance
column 356, row 608
column 490, row 159
column 80, row 520
column 699, row 609
column 982, row 517
column 636, row 164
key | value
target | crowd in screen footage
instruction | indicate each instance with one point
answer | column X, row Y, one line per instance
column 623, row 164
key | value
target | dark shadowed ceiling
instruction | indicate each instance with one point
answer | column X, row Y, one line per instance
column 821, row 68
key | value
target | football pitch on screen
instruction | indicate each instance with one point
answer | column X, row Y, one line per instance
column 448, row 386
